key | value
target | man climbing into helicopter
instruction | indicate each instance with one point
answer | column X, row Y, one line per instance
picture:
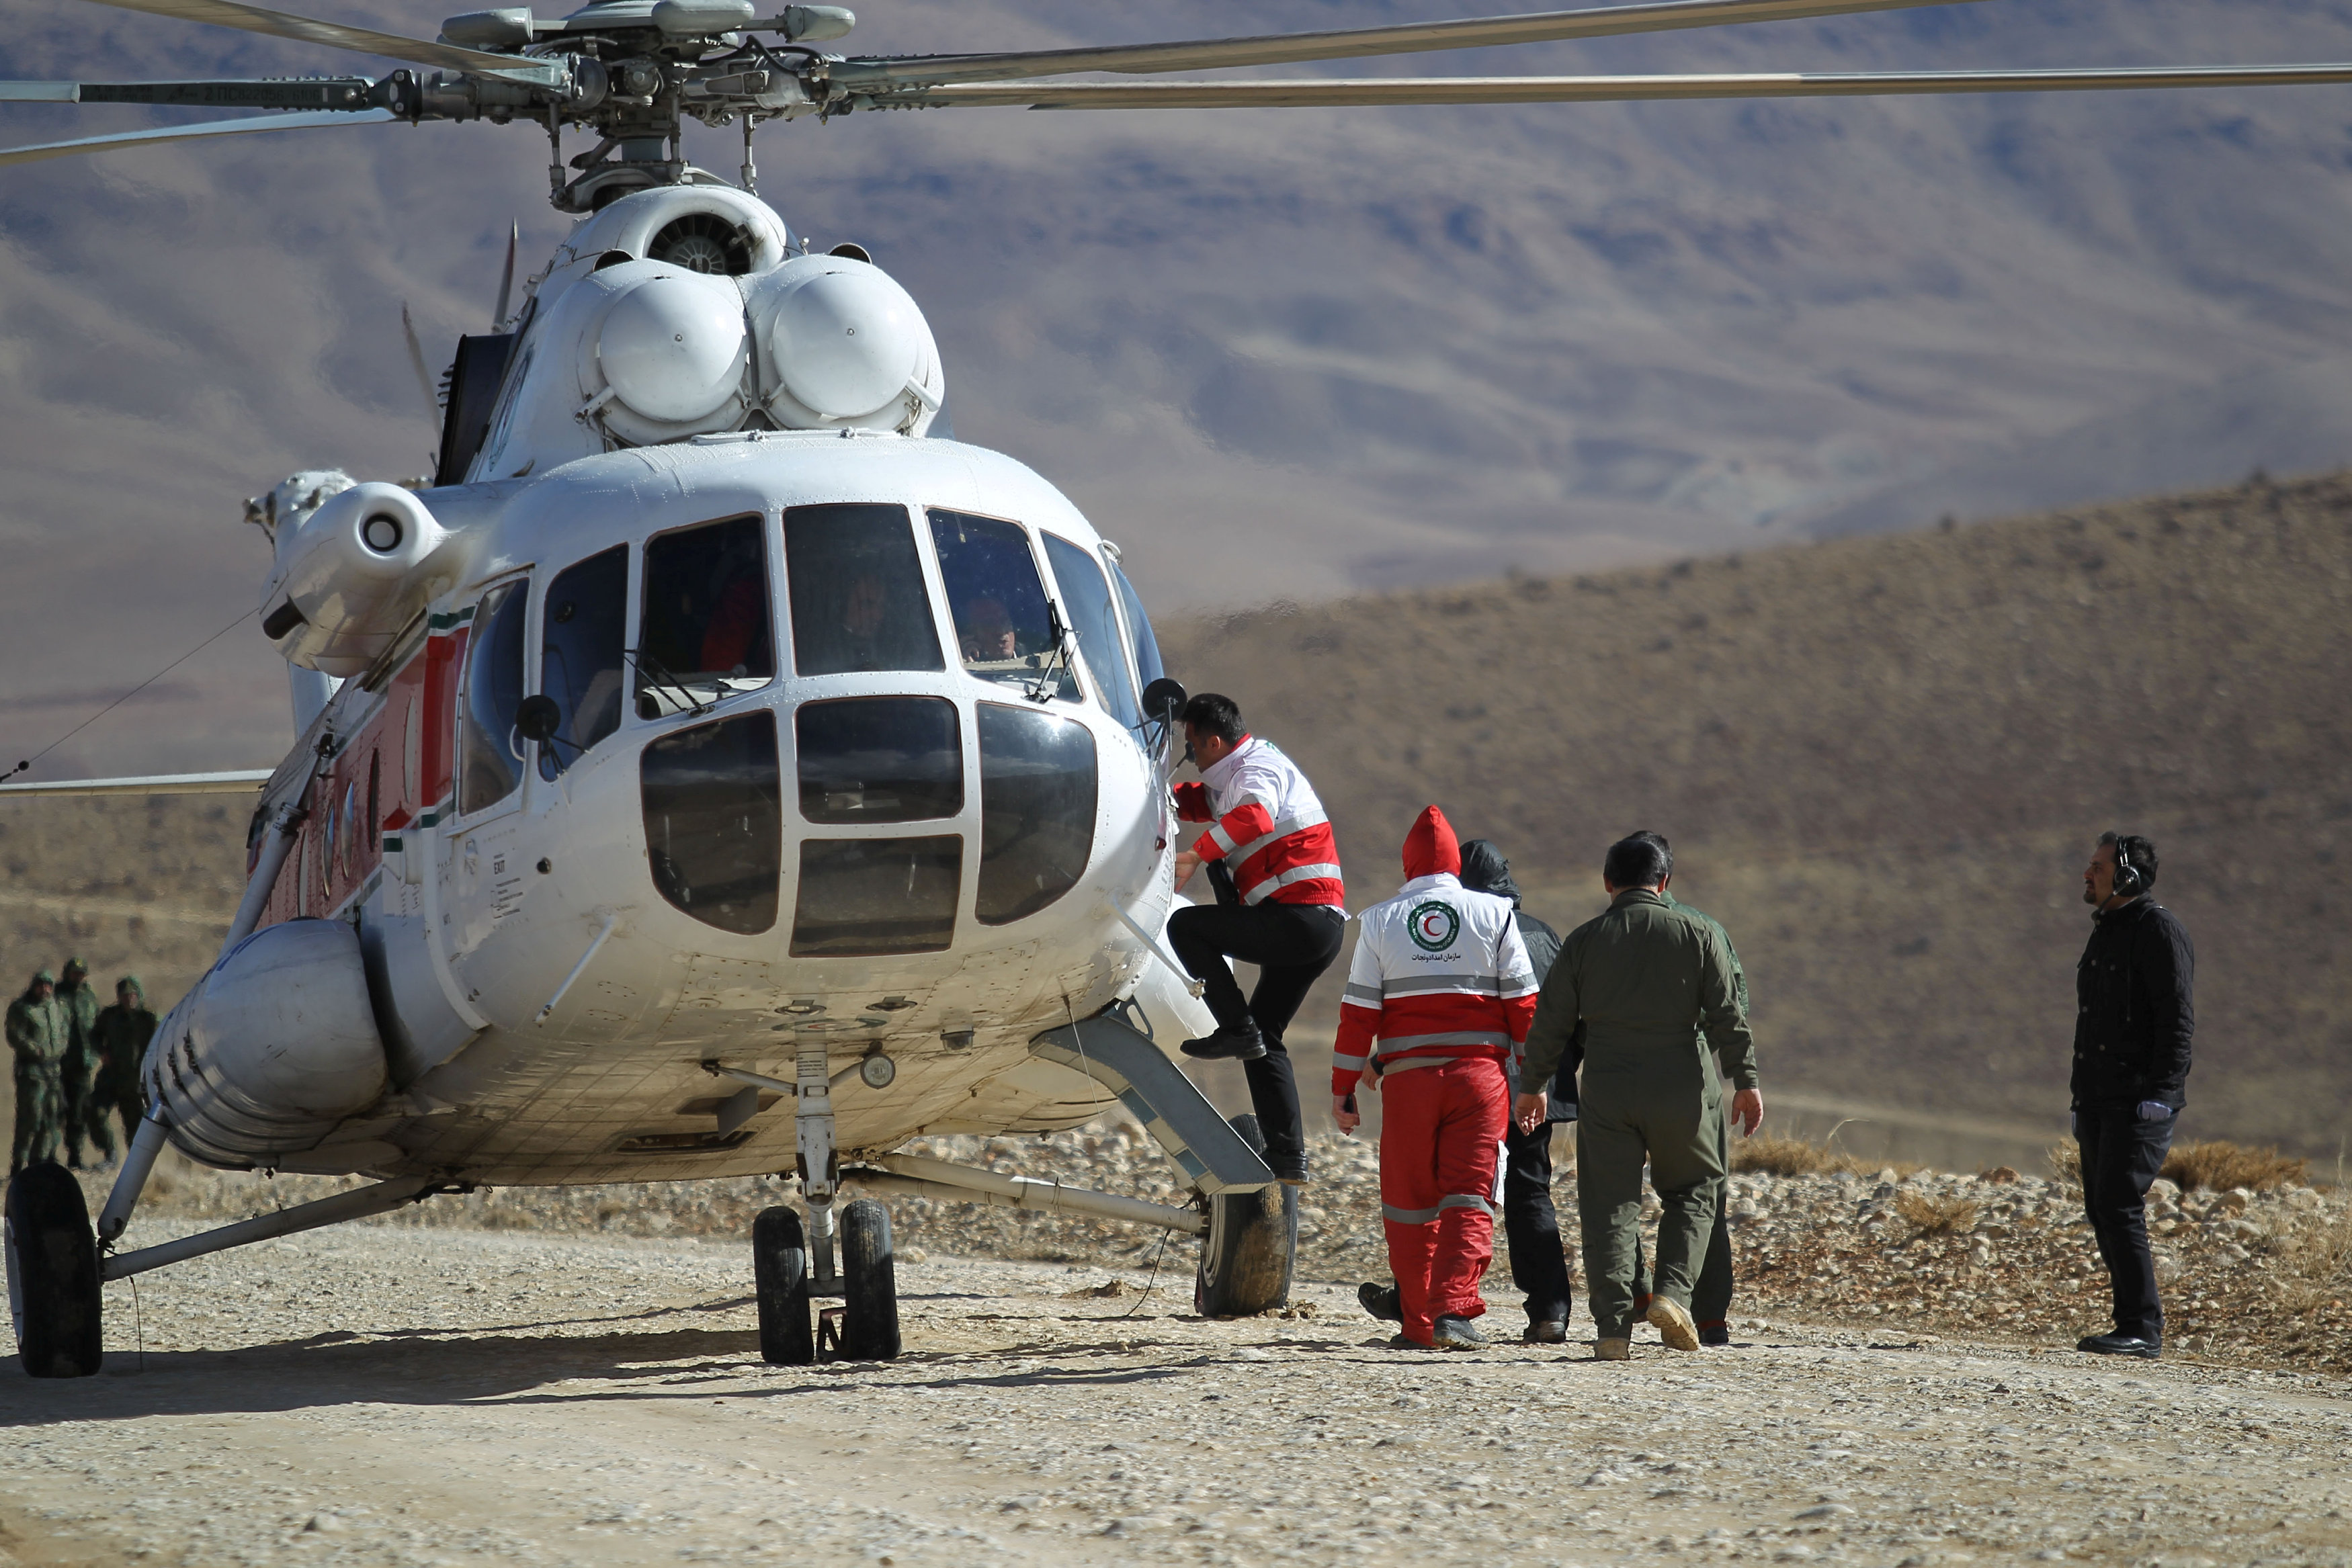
column 1277, row 871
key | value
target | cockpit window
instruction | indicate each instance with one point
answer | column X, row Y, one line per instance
column 581, row 633
column 705, row 633
column 1087, row 599
column 857, row 595
column 862, row 897
column 489, row 752
column 1148, row 665
column 1004, row 621
column 1036, row 809
column 714, row 820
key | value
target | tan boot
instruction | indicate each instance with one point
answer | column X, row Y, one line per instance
column 1674, row 1323
column 1613, row 1350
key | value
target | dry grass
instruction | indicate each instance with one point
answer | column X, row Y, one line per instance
column 1783, row 1156
column 1927, row 1215
column 2223, row 1165
column 2066, row 1163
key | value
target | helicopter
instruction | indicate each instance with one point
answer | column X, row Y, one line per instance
column 712, row 731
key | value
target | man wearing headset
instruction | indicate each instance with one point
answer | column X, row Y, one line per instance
column 2135, row 1014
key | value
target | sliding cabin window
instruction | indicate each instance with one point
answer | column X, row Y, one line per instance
column 1086, row 598
column 582, row 630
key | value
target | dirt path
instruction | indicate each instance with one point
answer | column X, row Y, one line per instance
column 379, row 1395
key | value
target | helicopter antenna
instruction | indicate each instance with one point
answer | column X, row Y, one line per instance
column 416, row 363
column 506, row 280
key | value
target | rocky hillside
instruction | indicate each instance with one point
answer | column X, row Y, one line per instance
column 1882, row 762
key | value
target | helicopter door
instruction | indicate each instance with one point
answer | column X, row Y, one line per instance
column 485, row 881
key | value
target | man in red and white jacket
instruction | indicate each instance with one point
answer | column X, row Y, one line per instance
column 1276, row 872
column 1438, row 1000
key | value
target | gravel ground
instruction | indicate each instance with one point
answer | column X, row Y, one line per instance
column 584, row 1391
column 2250, row 1279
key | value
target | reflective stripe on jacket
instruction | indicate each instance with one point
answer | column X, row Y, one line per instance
column 1267, row 824
column 1440, row 972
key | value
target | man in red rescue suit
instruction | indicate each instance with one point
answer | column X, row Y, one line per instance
column 1438, row 999
column 1276, row 872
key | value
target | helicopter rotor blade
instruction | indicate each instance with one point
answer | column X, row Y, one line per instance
column 191, row 132
column 348, row 93
column 1351, row 43
column 336, row 35
column 506, row 279
column 424, row 376
column 1377, row 92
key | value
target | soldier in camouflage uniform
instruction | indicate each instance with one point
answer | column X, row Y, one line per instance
column 121, row 1035
column 79, row 1000
column 1655, row 986
column 39, row 1033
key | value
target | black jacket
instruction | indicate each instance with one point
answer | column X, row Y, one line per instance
column 1484, row 870
column 2136, row 1009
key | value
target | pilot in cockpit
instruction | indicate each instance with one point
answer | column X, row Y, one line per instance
column 863, row 612
column 986, row 632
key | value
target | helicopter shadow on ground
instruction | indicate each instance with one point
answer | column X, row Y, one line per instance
column 439, row 1367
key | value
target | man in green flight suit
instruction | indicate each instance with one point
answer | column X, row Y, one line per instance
column 121, row 1035
column 1710, row 1300
column 79, row 1072
column 1655, row 986
column 39, row 1033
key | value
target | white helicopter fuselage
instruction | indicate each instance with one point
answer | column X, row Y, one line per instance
column 849, row 753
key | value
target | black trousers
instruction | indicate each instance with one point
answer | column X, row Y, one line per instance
column 2121, row 1156
column 1292, row 945
column 1532, row 1226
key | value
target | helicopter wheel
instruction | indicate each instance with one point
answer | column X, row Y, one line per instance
column 779, row 1271
column 1246, row 1255
column 869, row 1277
column 52, row 1279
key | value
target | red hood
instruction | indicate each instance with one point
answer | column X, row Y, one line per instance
column 1430, row 848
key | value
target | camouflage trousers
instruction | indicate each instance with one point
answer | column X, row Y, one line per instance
column 40, row 1116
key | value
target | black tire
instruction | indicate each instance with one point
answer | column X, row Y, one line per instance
column 52, row 1279
column 1245, row 1257
column 869, row 1283
column 779, row 1272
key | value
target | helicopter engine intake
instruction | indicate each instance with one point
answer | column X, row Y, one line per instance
column 272, row 1049
column 844, row 344
column 348, row 576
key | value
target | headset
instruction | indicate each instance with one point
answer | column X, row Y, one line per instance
column 2129, row 879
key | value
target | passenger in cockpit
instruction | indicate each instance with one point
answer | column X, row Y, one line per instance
column 738, row 627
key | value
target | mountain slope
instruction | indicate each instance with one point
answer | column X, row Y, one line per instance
column 1882, row 762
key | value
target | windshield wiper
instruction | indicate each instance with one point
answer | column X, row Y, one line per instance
column 653, row 671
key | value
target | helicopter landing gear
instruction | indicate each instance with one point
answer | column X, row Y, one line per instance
column 864, row 1327
column 52, row 1279
column 780, row 1275
column 1245, row 1254
column 869, row 1280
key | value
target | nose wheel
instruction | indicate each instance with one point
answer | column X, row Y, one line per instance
column 52, row 1279
column 864, row 1327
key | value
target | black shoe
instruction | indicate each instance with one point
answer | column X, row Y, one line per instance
column 1458, row 1334
column 1239, row 1044
column 1714, row 1333
column 1291, row 1173
column 2122, row 1344
column 1383, row 1301
column 1551, row 1330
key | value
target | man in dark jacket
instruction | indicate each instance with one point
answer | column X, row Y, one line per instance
column 2135, row 1014
column 1530, row 1224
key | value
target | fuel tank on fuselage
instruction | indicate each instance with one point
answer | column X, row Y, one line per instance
column 845, row 748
